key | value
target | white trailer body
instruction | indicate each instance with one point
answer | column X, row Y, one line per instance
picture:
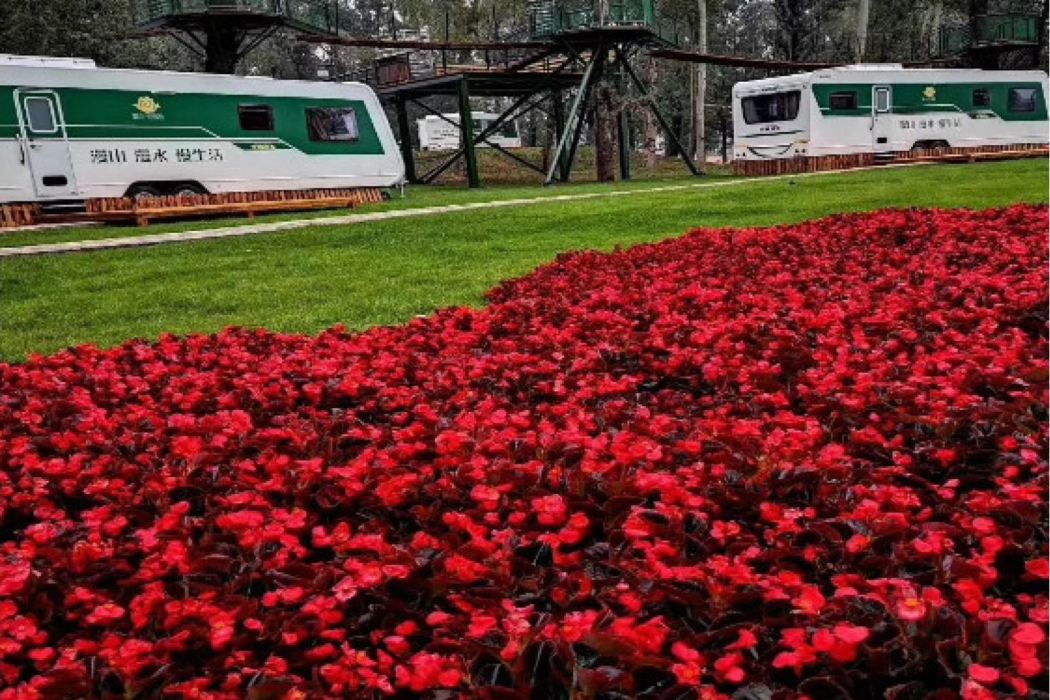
column 886, row 109
column 70, row 130
column 442, row 133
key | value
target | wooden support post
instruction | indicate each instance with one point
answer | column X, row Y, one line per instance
column 624, row 134
column 466, row 132
column 404, row 126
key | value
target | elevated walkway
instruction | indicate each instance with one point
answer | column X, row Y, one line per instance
column 993, row 42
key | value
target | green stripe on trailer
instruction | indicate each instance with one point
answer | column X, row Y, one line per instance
column 115, row 115
column 916, row 98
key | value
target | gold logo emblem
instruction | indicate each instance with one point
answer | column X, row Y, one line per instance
column 147, row 105
column 929, row 94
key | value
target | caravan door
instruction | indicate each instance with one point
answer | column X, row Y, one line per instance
column 881, row 117
column 44, row 141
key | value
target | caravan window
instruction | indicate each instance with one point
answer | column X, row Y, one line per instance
column 982, row 98
column 256, row 117
column 777, row 107
column 882, row 99
column 332, row 124
column 1021, row 100
column 40, row 114
column 843, row 100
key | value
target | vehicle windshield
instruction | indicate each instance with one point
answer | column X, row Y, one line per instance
column 774, row 107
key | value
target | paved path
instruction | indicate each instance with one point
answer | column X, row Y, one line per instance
column 350, row 219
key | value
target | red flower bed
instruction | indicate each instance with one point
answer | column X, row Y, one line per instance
column 802, row 461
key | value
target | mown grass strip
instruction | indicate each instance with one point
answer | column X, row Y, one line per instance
column 386, row 272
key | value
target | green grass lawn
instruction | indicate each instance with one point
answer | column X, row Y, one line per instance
column 386, row 272
column 413, row 198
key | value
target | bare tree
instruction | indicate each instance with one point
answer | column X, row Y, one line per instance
column 651, row 127
column 605, row 110
column 700, row 87
column 863, row 10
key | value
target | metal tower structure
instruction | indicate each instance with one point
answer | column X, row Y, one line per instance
column 601, row 37
column 568, row 47
column 222, row 32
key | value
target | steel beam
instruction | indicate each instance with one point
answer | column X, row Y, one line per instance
column 369, row 42
column 513, row 112
column 651, row 103
column 558, row 109
column 515, row 157
column 432, row 174
column 570, row 156
column 570, row 136
column 735, row 61
column 404, row 126
column 466, row 132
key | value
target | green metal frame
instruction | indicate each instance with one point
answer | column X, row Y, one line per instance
column 683, row 152
column 312, row 16
column 547, row 19
column 569, row 133
column 466, row 132
column 222, row 32
column 405, row 129
column 569, row 137
column 522, row 105
column 989, row 30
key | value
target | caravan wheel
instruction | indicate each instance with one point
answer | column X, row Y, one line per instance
column 931, row 145
column 143, row 191
column 188, row 189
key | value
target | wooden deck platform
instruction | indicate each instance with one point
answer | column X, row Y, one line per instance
column 143, row 210
column 804, row 164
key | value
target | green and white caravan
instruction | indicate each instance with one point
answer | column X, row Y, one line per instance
column 886, row 108
column 70, row 130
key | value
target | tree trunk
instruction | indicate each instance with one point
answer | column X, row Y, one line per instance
column 604, row 133
column 651, row 126
column 978, row 8
column 935, row 18
column 678, row 120
column 700, row 89
column 1044, row 16
column 863, row 10
column 221, row 54
column 792, row 25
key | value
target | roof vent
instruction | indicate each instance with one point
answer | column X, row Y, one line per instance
column 7, row 59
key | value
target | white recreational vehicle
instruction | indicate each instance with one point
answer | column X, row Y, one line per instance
column 886, row 109
column 442, row 133
column 70, row 130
